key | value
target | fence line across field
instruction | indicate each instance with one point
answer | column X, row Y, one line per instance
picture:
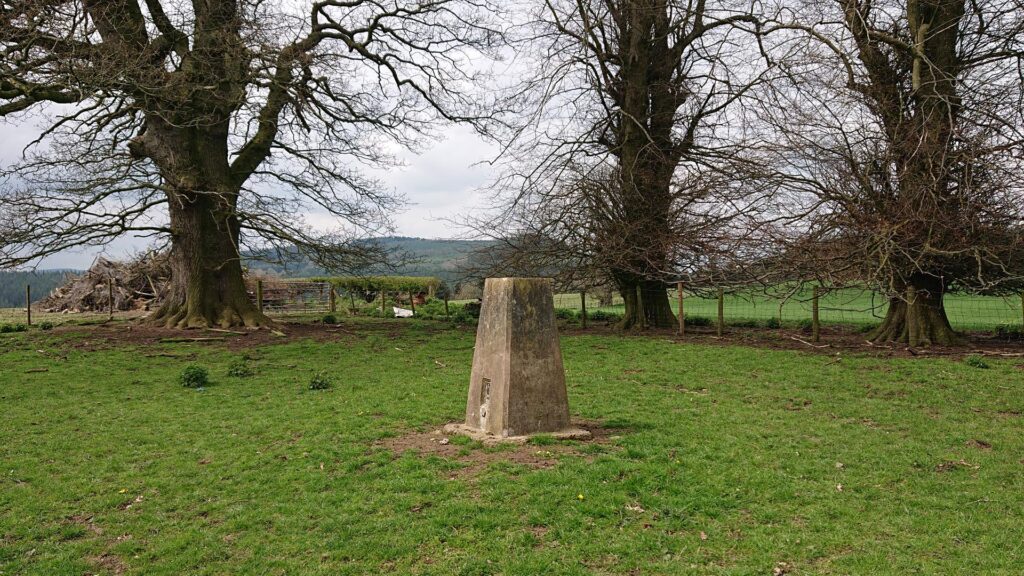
column 717, row 306
column 847, row 306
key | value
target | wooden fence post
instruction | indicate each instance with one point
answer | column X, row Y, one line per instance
column 640, row 307
column 110, row 294
column 333, row 299
column 815, row 321
column 447, row 315
column 351, row 302
column 412, row 302
column 721, row 312
column 383, row 301
column 583, row 308
column 682, row 316
column 259, row 295
column 28, row 303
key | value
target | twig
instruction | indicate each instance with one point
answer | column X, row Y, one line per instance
column 802, row 341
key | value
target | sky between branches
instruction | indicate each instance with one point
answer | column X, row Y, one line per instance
column 441, row 182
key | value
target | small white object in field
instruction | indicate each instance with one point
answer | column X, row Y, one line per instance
column 401, row 312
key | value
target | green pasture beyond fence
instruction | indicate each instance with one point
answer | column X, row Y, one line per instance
column 847, row 306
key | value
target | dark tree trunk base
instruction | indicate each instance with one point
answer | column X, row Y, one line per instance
column 920, row 320
column 655, row 308
column 180, row 316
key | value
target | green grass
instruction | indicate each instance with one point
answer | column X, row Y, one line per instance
column 850, row 306
column 728, row 461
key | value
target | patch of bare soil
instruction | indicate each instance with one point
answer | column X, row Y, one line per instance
column 118, row 334
column 109, row 564
column 85, row 522
column 475, row 457
column 834, row 340
column 978, row 444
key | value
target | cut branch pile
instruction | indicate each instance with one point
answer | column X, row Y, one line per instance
column 138, row 284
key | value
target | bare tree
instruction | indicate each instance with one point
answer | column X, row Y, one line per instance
column 897, row 141
column 581, row 233
column 628, row 124
column 216, row 123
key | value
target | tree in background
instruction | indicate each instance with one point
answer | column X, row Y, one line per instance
column 627, row 121
column 897, row 144
column 582, row 232
column 216, row 123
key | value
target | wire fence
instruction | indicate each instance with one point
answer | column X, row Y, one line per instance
column 850, row 306
column 847, row 306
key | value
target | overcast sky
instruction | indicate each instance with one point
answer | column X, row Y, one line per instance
column 441, row 182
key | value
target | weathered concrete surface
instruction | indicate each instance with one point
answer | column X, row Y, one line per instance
column 489, row 439
column 517, row 387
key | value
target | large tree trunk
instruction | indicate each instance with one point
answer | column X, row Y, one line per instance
column 647, row 303
column 207, row 288
column 918, row 318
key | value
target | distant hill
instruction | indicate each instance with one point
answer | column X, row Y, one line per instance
column 12, row 285
column 440, row 258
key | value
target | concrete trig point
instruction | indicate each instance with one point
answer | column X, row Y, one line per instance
column 517, row 387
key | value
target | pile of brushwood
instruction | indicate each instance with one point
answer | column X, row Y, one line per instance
column 137, row 284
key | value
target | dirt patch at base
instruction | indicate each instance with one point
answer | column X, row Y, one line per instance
column 117, row 334
column 475, row 457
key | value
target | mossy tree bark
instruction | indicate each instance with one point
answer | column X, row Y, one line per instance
column 918, row 318
column 207, row 287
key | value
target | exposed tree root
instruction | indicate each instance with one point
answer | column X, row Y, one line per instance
column 182, row 317
column 920, row 320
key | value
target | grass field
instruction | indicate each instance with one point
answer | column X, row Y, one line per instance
column 851, row 306
column 720, row 460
